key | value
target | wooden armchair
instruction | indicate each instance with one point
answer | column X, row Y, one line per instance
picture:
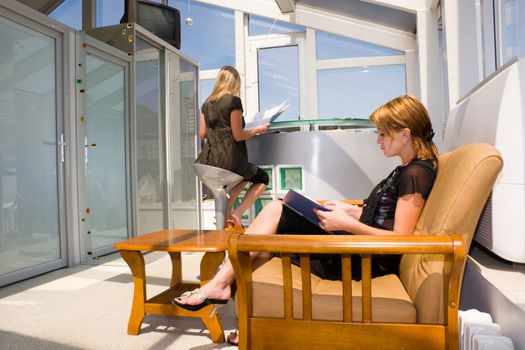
column 283, row 306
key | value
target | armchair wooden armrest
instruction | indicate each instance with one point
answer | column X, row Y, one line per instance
column 261, row 332
column 358, row 202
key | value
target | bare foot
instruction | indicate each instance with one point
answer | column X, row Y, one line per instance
column 236, row 221
column 210, row 291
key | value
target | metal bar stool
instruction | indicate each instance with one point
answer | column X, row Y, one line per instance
column 220, row 182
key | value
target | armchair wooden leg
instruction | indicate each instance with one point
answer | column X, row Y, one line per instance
column 135, row 261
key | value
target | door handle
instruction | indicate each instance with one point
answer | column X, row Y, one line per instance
column 62, row 144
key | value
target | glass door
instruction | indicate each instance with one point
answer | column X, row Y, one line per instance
column 31, row 239
column 103, row 179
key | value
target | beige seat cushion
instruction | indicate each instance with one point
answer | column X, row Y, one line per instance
column 390, row 301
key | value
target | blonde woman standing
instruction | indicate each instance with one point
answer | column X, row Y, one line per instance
column 222, row 125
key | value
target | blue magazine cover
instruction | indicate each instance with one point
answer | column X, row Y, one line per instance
column 304, row 206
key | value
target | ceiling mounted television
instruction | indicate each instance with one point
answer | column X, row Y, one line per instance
column 159, row 19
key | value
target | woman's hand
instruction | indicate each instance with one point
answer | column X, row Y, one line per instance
column 261, row 129
column 241, row 134
column 334, row 220
column 350, row 209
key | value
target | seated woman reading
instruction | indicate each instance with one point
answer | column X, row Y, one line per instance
column 393, row 207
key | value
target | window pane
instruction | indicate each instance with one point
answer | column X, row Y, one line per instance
column 330, row 46
column 279, row 80
column 261, row 26
column 357, row 92
column 513, row 26
column 206, row 88
column 29, row 226
column 210, row 40
column 70, row 13
column 109, row 12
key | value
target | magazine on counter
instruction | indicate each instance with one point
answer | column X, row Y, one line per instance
column 263, row 117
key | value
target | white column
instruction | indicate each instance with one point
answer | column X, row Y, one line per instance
column 311, row 75
column 462, row 47
column 412, row 72
column 430, row 70
column 241, row 33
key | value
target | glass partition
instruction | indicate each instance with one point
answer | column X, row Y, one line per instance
column 150, row 155
column 182, row 143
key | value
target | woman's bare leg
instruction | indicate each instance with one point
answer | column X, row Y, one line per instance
column 219, row 286
column 233, row 194
column 251, row 196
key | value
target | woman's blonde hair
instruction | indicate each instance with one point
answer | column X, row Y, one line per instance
column 228, row 82
column 407, row 112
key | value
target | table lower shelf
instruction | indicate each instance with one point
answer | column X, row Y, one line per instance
column 161, row 305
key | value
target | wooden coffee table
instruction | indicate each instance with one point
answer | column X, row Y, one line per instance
column 213, row 243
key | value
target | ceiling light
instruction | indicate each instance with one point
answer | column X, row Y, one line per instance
column 286, row 6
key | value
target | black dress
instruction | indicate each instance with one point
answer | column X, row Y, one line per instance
column 221, row 150
column 378, row 211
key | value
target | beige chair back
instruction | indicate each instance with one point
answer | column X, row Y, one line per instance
column 465, row 178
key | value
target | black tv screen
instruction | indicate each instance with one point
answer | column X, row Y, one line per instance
column 159, row 19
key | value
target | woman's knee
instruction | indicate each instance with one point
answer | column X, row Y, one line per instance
column 274, row 207
column 268, row 219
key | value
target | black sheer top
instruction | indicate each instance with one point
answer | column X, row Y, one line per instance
column 380, row 206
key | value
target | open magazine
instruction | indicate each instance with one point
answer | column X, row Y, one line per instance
column 304, row 206
column 263, row 117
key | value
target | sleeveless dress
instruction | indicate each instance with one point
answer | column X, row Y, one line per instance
column 221, row 150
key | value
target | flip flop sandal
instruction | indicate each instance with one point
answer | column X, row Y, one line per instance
column 205, row 301
column 232, row 337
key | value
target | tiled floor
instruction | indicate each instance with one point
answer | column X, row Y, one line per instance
column 87, row 307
